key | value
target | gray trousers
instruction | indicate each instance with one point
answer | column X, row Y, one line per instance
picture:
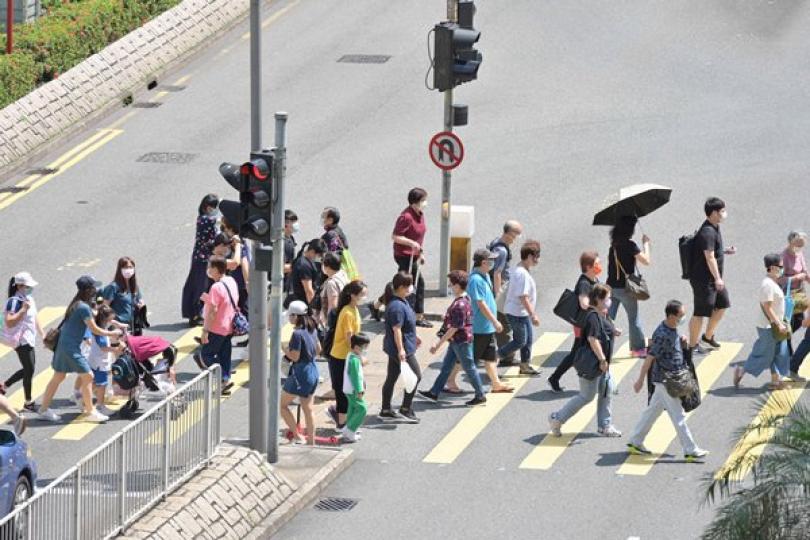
column 598, row 388
column 661, row 401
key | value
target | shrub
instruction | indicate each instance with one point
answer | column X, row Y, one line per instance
column 19, row 74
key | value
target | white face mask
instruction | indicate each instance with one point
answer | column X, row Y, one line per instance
column 608, row 302
column 363, row 299
column 423, row 205
column 411, row 290
column 295, row 227
column 127, row 272
column 723, row 215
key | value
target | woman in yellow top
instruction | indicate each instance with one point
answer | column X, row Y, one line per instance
column 348, row 325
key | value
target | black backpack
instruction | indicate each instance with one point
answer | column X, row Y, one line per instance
column 686, row 248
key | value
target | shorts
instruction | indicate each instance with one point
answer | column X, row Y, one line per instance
column 485, row 348
column 707, row 299
column 101, row 377
column 302, row 379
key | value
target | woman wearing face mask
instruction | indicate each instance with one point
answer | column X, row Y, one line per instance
column 123, row 294
column 302, row 379
column 408, row 237
column 333, row 235
column 240, row 254
column 20, row 332
column 69, row 356
column 796, row 272
column 769, row 352
column 348, row 324
column 197, row 281
column 598, row 333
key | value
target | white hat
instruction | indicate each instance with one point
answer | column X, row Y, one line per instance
column 24, row 278
column 797, row 234
column 297, row 307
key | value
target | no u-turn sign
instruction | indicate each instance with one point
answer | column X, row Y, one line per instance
column 446, row 150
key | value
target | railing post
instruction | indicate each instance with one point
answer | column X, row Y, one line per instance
column 167, row 423
column 208, row 435
column 218, row 386
column 77, row 504
column 122, row 480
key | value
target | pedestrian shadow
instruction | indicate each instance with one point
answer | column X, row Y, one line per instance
column 730, row 391
column 168, row 327
column 374, row 423
column 611, row 459
column 547, row 395
column 534, row 440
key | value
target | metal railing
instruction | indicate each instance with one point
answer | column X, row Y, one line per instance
column 130, row 473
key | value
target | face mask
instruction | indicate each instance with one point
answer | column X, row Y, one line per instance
column 597, row 268
column 295, row 227
column 28, row 291
column 411, row 290
column 681, row 321
column 608, row 302
column 362, row 300
column 780, row 272
column 723, row 215
column 127, row 272
column 317, row 260
column 214, row 212
column 423, row 205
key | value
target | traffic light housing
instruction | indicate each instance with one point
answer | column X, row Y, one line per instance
column 253, row 179
column 455, row 60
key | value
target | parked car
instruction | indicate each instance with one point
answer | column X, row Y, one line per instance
column 18, row 472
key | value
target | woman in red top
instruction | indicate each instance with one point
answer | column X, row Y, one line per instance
column 408, row 237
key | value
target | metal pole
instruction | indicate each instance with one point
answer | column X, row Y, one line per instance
column 279, row 171
column 257, row 287
column 9, row 26
column 444, row 241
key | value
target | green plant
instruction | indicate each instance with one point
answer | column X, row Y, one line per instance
column 18, row 74
column 775, row 504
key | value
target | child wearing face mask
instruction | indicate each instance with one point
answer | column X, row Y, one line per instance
column 20, row 331
column 302, row 379
column 355, row 387
column 100, row 358
column 123, row 295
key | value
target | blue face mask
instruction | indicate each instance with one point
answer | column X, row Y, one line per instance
column 681, row 321
column 28, row 291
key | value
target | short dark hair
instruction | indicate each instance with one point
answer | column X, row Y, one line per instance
column 317, row 245
column 673, row 308
column 222, row 239
column 624, row 229
column 332, row 213
column 713, row 204
column 401, row 280
column 416, row 195
column 218, row 263
column 359, row 340
column 460, row 278
column 772, row 259
column 289, row 215
column 600, row 291
column 209, row 200
column 530, row 248
column 332, row 260
column 587, row 260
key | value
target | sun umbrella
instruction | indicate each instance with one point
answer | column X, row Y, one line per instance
column 637, row 200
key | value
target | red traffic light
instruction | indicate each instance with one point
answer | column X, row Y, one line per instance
column 257, row 168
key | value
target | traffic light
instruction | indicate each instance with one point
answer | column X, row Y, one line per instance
column 253, row 180
column 455, row 61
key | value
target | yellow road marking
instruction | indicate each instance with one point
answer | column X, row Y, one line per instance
column 63, row 163
column 181, row 80
column 663, row 432
column 550, row 448
column 474, row 422
column 274, row 17
column 78, row 428
column 750, row 447
column 121, row 120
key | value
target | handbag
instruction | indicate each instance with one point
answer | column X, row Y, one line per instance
column 51, row 339
column 634, row 284
column 778, row 335
column 679, row 383
column 568, row 309
column 240, row 325
column 585, row 361
column 691, row 401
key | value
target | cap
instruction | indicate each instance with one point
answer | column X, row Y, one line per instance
column 297, row 307
column 796, row 234
column 24, row 278
column 88, row 282
column 481, row 255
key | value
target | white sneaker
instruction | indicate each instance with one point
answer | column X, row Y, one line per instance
column 96, row 416
column 348, row 435
column 49, row 415
column 610, row 431
column 19, row 425
column 555, row 425
column 105, row 411
column 697, row 453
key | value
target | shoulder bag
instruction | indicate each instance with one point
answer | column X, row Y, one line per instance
column 568, row 309
column 634, row 284
column 240, row 325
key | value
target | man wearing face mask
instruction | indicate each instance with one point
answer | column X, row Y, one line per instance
column 305, row 278
column 666, row 355
column 291, row 227
column 502, row 248
column 591, row 267
column 706, row 277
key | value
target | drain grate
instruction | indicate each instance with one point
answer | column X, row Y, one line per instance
column 364, row 58
column 42, row 171
column 178, row 158
column 336, row 504
column 172, row 88
column 13, row 189
column 146, row 104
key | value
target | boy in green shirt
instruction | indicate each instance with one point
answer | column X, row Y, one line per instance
column 354, row 387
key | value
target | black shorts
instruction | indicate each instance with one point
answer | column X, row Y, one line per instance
column 485, row 348
column 707, row 299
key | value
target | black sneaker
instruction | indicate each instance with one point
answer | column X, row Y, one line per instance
column 198, row 360
column 333, row 414
column 388, row 414
column 555, row 386
column 710, row 342
column 409, row 415
column 227, row 388
column 376, row 314
column 424, row 323
column 430, row 396
column 242, row 344
column 477, row 400
column 30, row 407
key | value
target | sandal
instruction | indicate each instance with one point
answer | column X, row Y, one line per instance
column 455, row 391
column 503, row 390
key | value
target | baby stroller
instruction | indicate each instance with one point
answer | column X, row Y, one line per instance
column 137, row 369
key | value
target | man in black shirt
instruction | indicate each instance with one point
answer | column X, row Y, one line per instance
column 591, row 268
column 306, row 273
column 711, row 297
column 291, row 227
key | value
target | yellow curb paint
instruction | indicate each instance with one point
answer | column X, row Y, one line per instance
column 779, row 403
column 121, row 120
column 663, row 432
column 274, row 17
column 63, row 163
column 550, row 448
column 474, row 422
column 181, row 80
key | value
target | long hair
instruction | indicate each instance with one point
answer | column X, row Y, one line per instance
column 624, row 229
column 306, row 321
column 209, row 200
column 82, row 295
column 12, row 288
column 130, row 285
column 351, row 288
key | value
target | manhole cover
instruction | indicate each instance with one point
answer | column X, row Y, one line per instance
column 146, row 104
column 12, row 189
column 178, row 158
column 364, row 58
column 336, row 504
column 172, row 88
column 42, row 171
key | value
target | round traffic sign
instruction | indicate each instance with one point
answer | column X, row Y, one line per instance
column 446, row 150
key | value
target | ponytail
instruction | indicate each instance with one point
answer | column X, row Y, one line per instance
column 306, row 322
column 12, row 288
column 352, row 288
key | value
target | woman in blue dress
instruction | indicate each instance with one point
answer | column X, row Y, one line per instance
column 302, row 379
column 68, row 356
column 123, row 295
column 197, row 281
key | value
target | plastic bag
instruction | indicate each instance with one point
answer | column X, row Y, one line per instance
column 408, row 377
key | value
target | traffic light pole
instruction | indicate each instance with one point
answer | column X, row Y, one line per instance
column 279, row 171
column 444, row 243
column 257, row 287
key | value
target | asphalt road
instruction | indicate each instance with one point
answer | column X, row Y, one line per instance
column 573, row 101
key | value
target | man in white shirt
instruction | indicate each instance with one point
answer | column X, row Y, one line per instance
column 521, row 298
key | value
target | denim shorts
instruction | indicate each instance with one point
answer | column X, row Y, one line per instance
column 101, row 377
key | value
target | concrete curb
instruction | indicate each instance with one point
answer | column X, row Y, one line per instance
column 38, row 121
column 303, row 496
